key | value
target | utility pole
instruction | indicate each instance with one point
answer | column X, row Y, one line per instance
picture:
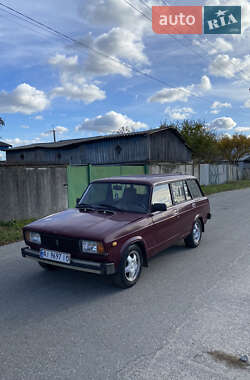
column 54, row 134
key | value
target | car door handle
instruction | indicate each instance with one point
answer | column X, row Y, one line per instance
column 176, row 212
column 194, row 205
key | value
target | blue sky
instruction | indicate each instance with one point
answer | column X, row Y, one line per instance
column 50, row 82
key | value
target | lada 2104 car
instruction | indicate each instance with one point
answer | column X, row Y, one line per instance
column 118, row 224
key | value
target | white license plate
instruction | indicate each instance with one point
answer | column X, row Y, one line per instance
column 59, row 257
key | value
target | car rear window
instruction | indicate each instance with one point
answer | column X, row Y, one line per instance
column 194, row 188
column 178, row 192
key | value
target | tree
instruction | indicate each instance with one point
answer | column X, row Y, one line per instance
column 201, row 139
column 2, row 123
column 234, row 148
column 123, row 130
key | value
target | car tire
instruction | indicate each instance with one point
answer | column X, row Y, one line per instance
column 194, row 238
column 130, row 268
column 46, row 266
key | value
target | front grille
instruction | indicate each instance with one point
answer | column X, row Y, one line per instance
column 59, row 243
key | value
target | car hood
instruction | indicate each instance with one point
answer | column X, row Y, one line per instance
column 87, row 225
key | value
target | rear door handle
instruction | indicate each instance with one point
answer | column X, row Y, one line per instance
column 176, row 212
column 194, row 205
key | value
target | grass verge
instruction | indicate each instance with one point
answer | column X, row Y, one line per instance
column 11, row 232
column 211, row 189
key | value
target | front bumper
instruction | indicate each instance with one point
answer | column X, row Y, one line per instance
column 80, row 265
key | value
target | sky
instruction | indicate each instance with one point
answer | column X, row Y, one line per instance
column 112, row 71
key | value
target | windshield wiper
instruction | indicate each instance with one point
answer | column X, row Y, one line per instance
column 86, row 206
column 109, row 207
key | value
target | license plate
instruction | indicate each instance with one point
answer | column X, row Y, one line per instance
column 59, row 257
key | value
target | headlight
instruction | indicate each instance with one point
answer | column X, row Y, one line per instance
column 92, row 246
column 33, row 237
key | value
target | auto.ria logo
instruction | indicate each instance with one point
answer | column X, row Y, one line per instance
column 222, row 20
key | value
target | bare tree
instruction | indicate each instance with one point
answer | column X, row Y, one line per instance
column 2, row 123
column 123, row 130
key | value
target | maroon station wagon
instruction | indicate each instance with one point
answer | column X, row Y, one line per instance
column 118, row 224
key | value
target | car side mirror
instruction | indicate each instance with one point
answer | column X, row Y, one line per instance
column 77, row 201
column 159, row 207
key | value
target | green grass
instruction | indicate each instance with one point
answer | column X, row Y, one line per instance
column 211, row 189
column 11, row 232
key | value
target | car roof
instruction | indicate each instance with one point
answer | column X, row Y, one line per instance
column 146, row 179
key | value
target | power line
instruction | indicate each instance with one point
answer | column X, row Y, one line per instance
column 85, row 45
column 138, row 10
column 25, row 21
column 150, row 19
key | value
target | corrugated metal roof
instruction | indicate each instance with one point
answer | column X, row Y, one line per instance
column 2, row 143
column 4, row 146
column 68, row 143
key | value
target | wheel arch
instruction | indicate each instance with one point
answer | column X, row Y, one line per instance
column 137, row 240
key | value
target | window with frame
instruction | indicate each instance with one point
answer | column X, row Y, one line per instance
column 178, row 192
column 161, row 194
column 194, row 188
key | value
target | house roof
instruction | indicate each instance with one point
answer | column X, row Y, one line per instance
column 4, row 145
column 75, row 142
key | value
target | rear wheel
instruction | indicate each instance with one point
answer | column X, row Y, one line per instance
column 193, row 240
column 46, row 266
column 130, row 268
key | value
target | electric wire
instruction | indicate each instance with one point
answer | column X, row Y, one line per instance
column 170, row 35
column 81, row 43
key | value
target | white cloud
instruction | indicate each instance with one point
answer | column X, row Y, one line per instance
column 242, row 129
column 24, row 99
column 205, row 84
column 88, row 93
column 217, row 106
column 117, row 13
column 59, row 130
column 182, row 94
column 220, row 45
column 110, row 122
column 19, row 142
column 224, row 66
column 169, row 95
column 73, row 83
column 63, row 61
column 122, row 43
column 38, row 117
column 223, row 123
column 118, row 43
column 179, row 113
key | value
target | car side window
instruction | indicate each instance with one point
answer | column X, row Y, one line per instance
column 161, row 194
column 187, row 192
column 194, row 188
column 178, row 192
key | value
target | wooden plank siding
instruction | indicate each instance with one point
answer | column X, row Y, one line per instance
column 162, row 146
column 167, row 147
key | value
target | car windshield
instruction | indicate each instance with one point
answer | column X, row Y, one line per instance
column 129, row 197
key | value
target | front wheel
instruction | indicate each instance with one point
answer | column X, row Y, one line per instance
column 130, row 268
column 193, row 240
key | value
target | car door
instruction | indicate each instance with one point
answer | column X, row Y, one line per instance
column 199, row 201
column 185, row 206
column 165, row 223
